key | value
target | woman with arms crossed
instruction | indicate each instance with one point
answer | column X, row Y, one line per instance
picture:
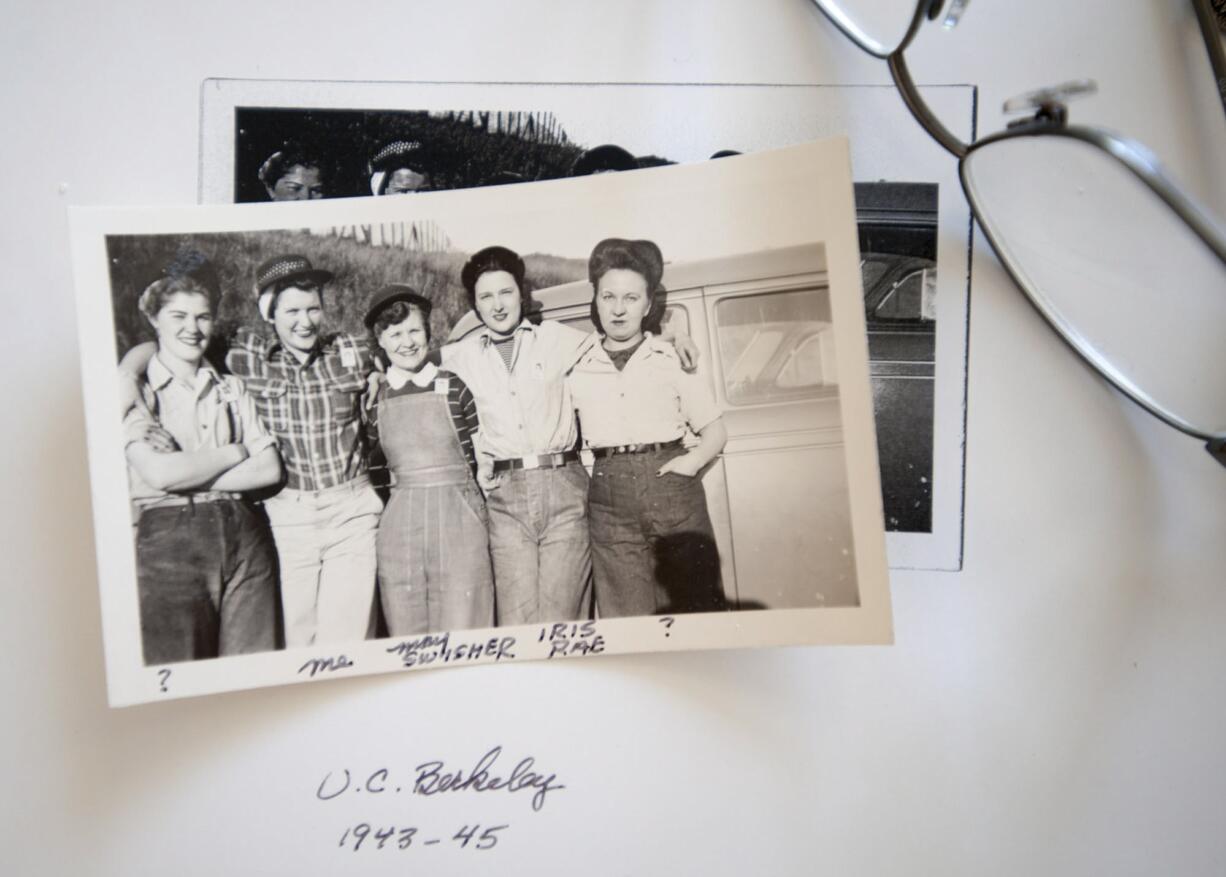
column 206, row 568
column 653, row 546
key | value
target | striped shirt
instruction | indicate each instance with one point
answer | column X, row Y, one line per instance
column 313, row 408
column 460, row 404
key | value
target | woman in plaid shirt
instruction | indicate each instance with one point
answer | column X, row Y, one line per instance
column 307, row 387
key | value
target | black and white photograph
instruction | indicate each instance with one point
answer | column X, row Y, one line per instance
column 289, row 143
column 592, row 402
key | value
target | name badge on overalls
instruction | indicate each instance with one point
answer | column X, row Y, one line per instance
column 349, row 359
column 440, row 386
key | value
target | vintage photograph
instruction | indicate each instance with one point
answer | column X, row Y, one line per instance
column 332, row 441
column 305, row 152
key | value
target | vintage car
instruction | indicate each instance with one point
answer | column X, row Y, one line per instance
column 898, row 247
column 761, row 321
column 778, row 493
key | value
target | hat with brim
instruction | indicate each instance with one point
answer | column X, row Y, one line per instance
column 386, row 296
column 400, row 153
column 289, row 268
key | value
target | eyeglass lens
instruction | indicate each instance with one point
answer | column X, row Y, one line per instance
column 1103, row 254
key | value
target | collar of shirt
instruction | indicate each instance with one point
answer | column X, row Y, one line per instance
column 652, row 346
column 487, row 334
column 159, row 376
column 397, row 377
column 276, row 348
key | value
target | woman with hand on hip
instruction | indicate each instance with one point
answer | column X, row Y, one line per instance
column 653, row 546
column 433, row 542
column 206, row 568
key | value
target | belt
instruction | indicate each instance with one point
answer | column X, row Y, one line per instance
column 182, row 499
column 353, row 485
column 545, row 461
column 644, row 448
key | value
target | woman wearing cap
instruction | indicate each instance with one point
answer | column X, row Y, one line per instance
column 308, row 387
column 653, row 546
column 293, row 174
column 399, row 168
column 206, row 570
column 433, row 544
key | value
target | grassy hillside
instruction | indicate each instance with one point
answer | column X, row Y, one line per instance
column 360, row 269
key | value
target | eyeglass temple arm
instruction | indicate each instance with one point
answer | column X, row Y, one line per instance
column 919, row 109
column 1211, row 32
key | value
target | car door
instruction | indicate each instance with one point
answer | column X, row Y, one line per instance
column 773, row 354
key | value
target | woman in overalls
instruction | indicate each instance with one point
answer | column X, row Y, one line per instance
column 433, row 542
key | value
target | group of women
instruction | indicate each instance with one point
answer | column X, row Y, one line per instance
column 491, row 517
column 295, row 173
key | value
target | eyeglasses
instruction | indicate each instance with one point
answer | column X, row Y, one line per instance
column 1122, row 263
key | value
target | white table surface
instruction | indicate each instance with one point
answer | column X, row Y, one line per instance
column 1058, row 707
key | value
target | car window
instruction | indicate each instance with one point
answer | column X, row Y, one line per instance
column 871, row 271
column 912, row 298
column 774, row 346
column 805, row 366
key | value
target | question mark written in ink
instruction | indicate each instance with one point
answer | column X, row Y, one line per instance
column 667, row 621
column 165, row 674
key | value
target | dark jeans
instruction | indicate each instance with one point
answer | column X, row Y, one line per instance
column 653, row 547
column 207, row 581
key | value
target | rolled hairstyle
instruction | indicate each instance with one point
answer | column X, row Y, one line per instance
column 191, row 272
column 643, row 258
column 495, row 259
column 157, row 293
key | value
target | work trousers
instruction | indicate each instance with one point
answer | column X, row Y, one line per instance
column 206, row 581
column 326, row 546
column 653, row 546
column 539, row 545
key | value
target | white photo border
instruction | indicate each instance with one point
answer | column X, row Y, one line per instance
column 769, row 200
